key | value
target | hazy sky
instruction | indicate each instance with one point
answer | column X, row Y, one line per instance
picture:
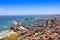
column 29, row 7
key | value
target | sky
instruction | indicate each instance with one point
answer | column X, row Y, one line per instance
column 29, row 7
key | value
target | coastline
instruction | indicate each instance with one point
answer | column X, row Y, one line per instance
column 41, row 31
column 6, row 34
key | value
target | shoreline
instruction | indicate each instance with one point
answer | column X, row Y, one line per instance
column 6, row 34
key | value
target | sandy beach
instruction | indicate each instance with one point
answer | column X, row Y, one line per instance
column 6, row 34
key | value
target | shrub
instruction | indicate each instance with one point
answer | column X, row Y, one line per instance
column 13, row 36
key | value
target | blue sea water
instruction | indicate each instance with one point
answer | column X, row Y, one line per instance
column 6, row 21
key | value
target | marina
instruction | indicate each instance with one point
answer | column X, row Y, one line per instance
column 37, row 28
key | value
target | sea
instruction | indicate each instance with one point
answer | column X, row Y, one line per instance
column 6, row 21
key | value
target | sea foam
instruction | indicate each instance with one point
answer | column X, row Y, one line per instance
column 4, row 32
